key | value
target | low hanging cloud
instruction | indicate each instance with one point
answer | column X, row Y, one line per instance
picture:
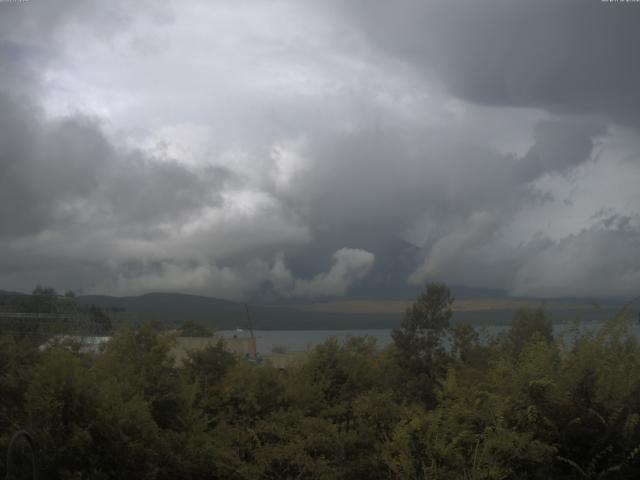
column 349, row 266
column 477, row 229
column 595, row 262
column 560, row 145
column 243, row 279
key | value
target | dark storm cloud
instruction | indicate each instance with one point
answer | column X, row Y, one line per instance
column 597, row 261
column 560, row 145
column 575, row 56
column 370, row 184
column 53, row 172
column 68, row 196
column 78, row 211
column 265, row 149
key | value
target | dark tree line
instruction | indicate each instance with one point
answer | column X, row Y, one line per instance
column 47, row 313
column 435, row 404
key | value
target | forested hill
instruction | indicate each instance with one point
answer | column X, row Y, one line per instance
column 472, row 305
column 223, row 314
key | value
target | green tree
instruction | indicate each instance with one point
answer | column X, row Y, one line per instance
column 193, row 329
column 207, row 370
column 44, row 300
column 140, row 363
column 419, row 340
column 465, row 343
column 99, row 320
column 527, row 326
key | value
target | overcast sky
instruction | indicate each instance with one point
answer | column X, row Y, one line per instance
column 277, row 148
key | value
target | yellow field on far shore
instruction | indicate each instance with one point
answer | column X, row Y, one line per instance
column 399, row 306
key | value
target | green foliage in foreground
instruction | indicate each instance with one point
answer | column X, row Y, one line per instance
column 436, row 404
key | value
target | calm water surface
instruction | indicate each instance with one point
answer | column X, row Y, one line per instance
column 301, row 340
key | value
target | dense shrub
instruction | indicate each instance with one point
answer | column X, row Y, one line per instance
column 525, row 405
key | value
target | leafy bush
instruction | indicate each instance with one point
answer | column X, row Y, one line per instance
column 525, row 405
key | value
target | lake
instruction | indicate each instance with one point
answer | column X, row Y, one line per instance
column 301, row 340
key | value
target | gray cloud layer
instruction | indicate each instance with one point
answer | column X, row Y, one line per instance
column 285, row 153
column 576, row 56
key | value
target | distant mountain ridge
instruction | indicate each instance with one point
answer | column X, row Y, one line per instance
column 225, row 314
